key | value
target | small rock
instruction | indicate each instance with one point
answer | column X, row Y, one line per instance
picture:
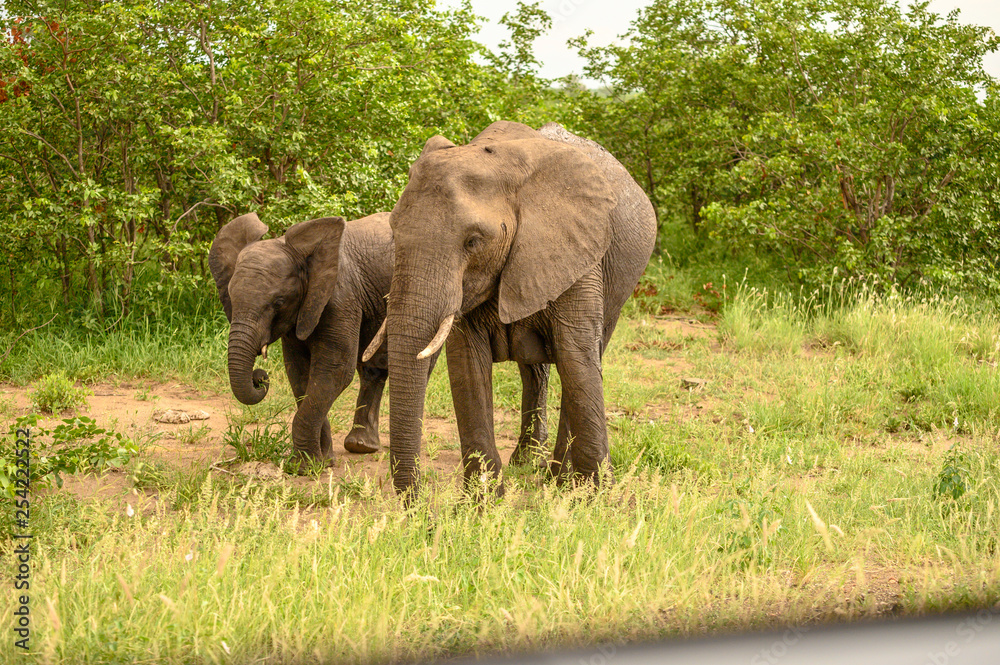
column 264, row 470
column 171, row 417
column 178, row 417
column 691, row 383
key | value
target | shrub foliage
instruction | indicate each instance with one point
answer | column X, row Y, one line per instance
column 848, row 136
column 853, row 136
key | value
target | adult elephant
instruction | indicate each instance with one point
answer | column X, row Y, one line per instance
column 320, row 288
column 531, row 241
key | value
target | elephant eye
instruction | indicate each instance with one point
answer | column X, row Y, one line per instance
column 278, row 302
column 472, row 242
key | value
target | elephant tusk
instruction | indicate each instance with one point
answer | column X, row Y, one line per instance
column 439, row 338
column 376, row 342
column 263, row 351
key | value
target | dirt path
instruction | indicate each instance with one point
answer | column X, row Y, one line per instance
column 131, row 408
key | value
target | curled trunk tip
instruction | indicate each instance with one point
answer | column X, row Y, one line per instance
column 249, row 385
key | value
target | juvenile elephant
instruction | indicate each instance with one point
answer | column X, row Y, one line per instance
column 321, row 289
column 531, row 241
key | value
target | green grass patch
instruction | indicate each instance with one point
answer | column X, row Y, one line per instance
column 260, row 432
column 839, row 445
column 232, row 571
column 193, row 349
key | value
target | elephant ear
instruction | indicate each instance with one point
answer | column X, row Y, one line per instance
column 228, row 244
column 318, row 240
column 563, row 229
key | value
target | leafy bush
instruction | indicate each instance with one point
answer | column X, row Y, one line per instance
column 76, row 445
column 184, row 115
column 954, row 478
column 55, row 393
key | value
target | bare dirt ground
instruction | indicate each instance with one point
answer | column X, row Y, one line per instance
column 130, row 407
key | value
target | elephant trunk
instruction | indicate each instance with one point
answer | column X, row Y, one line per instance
column 249, row 385
column 414, row 320
column 408, row 386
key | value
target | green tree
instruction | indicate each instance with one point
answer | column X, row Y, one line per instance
column 132, row 131
column 848, row 136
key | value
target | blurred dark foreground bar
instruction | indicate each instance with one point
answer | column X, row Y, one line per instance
column 955, row 639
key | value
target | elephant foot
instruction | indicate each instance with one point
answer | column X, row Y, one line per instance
column 525, row 451
column 603, row 477
column 560, row 472
column 362, row 441
column 302, row 463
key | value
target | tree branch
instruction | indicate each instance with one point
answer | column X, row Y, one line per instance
column 55, row 150
column 206, row 202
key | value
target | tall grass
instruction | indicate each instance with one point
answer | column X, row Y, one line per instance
column 756, row 322
column 187, row 348
column 841, row 445
column 925, row 361
column 237, row 574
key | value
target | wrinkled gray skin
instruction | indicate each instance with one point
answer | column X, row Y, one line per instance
column 534, row 240
column 321, row 289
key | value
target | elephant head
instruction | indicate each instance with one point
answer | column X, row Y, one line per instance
column 511, row 216
column 268, row 287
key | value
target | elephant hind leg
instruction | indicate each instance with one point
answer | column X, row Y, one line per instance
column 534, row 430
column 363, row 437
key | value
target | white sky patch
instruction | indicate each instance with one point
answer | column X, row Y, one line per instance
column 978, row 12
column 609, row 19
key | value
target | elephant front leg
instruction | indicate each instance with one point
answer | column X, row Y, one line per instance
column 585, row 433
column 297, row 359
column 363, row 437
column 326, row 376
column 310, row 425
column 560, row 466
column 534, row 430
column 470, row 372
